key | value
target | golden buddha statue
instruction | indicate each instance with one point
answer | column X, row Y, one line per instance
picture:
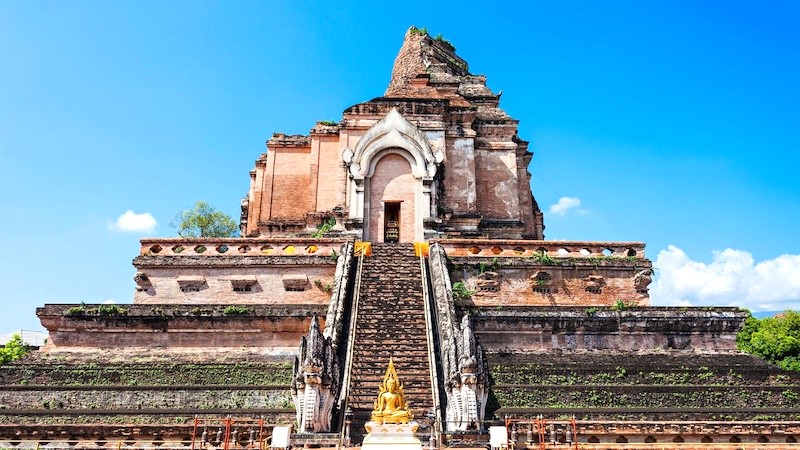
column 391, row 406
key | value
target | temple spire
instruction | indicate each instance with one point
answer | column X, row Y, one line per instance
column 421, row 58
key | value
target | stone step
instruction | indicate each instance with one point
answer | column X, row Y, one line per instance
column 374, row 351
column 420, row 380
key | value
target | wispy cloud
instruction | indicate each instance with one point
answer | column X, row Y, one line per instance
column 132, row 222
column 564, row 205
column 733, row 278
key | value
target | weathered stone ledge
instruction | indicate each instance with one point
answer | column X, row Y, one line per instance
column 380, row 106
column 45, row 374
column 138, row 398
column 532, row 262
column 289, row 140
column 531, row 248
column 654, row 397
column 231, row 261
column 628, row 371
column 240, row 246
column 604, row 313
column 169, row 310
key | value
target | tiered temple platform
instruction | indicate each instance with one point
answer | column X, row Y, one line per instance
column 409, row 230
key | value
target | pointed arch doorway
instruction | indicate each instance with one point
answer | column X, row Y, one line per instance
column 392, row 194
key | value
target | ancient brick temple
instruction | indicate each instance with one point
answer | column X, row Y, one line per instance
column 436, row 154
column 408, row 231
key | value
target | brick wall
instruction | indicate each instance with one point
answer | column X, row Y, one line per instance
column 459, row 176
column 218, row 285
column 291, row 189
column 496, row 176
column 332, row 174
column 568, row 287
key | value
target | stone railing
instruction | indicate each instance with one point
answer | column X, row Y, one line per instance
column 240, row 247
column 569, row 249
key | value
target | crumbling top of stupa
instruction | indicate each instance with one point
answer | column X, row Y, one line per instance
column 428, row 67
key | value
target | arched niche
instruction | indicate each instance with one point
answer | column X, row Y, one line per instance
column 391, row 137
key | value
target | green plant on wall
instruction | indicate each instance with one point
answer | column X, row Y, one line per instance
column 460, row 290
column 324, row 287
column 76, row 310
column 543, row 258
column 619, row 305
column 234, row 310
column 109, row 310
column 105, row 310
column 490, row 267
column 443, row 40
column 325, row 227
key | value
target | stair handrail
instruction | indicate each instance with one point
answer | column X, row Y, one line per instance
column 434, row 373
column 342, row 283
column 345, row 391
column 447, row 327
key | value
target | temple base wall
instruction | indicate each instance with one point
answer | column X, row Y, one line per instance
column 209, row 326
column 654, row 329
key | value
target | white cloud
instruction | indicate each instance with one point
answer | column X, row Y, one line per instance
column 130, row 221
column 733, row 278
column 564, row 205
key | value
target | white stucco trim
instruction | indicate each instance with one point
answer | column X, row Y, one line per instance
column 393, row 131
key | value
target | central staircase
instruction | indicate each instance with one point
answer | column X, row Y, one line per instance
column 390, row 323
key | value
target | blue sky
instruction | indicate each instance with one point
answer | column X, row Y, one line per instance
column 672, row 123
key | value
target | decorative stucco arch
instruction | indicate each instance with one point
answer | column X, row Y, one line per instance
column 391, row 135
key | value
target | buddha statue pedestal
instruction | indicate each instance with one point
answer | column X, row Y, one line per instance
column 391, row 436
column 391, row 427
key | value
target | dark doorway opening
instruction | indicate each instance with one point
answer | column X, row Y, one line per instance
column 391, row 228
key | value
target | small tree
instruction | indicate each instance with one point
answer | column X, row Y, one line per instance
column 13, row 350
column 203, row 220
column 776, row 339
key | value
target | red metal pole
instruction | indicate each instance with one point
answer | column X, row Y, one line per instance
column 542, row 439
column 574, row 432
column 194, row 431
column 227, row 433
column 261, row 434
